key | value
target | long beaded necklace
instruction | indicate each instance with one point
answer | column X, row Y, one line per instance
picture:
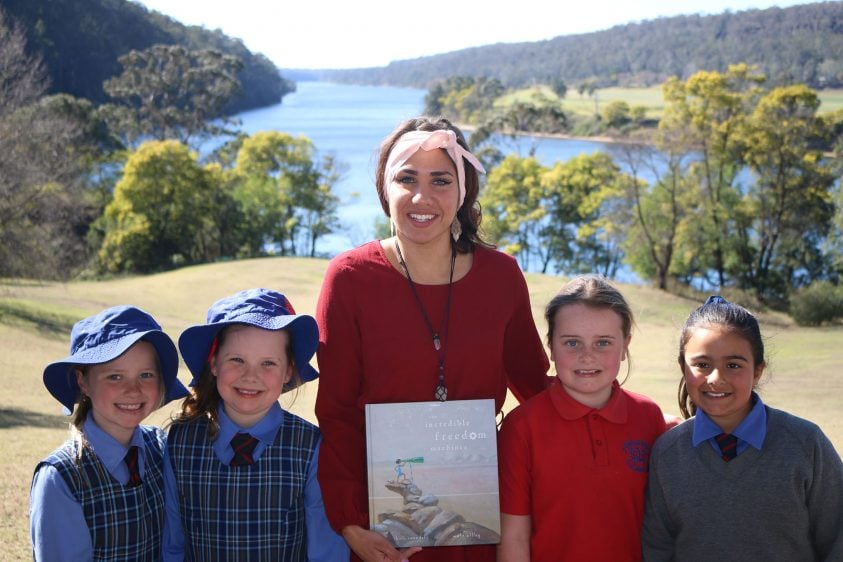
column 441, row 392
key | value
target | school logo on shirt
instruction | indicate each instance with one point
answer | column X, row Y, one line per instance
column 637, row 455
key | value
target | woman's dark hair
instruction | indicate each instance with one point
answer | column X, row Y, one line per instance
column 719, row 313
column 469, row 214
column 205, row 398
column 592, row 291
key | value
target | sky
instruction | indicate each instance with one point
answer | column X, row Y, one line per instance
column 363, row 33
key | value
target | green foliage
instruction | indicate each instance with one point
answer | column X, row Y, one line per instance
column 559, row 87
column 705, row 115
column 160, row 212
column 464, row 99
column 512, row 205
column 817, row 304
column 281, row 184
column 50, row 181
column 81, row 40
column 170, row 92
column 555, row 216
column 616, row 114
column 789, row 208
column 795, row 44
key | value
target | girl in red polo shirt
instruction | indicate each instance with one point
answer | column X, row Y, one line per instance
column 573, row 459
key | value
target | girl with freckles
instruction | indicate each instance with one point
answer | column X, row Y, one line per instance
column 739, row 480
column 573, row 460
column 100, row 496
column 240, row 472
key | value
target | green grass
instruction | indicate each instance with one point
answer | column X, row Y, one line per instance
column 806, row 374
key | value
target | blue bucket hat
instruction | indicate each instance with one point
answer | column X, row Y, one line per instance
column 261, row 308
column 104, row 337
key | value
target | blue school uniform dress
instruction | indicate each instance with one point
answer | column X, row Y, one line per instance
column 83, row 509
column 270, row 510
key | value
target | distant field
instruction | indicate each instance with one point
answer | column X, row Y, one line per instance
column 806, row 363
column 650, row 98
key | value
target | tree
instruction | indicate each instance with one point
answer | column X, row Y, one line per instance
column 559, row 87
column 616, row 114
column 657, row 211
column 49, row 155
column 168, row 91
column 161, row 212
column 704, row 116
column 580, row 197
column 286, row 191
column 433, row 100
column 789, row 209
column 589, row 87
column 319, row 206
column 512, row 205
column 470, row 100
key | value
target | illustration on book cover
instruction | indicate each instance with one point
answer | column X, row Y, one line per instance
column 433, row 472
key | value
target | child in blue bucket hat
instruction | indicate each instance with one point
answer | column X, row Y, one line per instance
column 100, row 496
column 240, row 472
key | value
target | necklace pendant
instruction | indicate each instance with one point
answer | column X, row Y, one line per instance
column 437, row 344
column 441, row 393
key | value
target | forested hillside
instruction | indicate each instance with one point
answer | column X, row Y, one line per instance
column 81, row 40
column 797, row 44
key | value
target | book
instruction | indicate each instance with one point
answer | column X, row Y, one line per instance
column 433, row 472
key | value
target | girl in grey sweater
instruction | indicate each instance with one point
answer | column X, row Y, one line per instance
column 739, row 480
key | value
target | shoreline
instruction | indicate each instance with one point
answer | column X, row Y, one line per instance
column 604, row 139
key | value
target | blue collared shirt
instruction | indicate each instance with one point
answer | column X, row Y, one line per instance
column 57, row 527
column 323, row 544
column 751, row 431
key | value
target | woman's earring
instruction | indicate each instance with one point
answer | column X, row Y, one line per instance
column 456, row 229
column 391, row 228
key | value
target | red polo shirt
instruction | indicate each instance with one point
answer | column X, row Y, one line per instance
column 579, row 473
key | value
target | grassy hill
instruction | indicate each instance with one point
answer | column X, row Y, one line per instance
column 805, row 378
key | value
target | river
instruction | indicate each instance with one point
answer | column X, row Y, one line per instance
column 350, row 122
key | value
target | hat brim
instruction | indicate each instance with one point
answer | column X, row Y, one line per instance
column 195, row 341
column 60, row 378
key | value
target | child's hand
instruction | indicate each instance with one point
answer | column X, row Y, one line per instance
column 373, row 547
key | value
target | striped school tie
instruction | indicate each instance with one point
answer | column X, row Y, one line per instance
column 728, row 446
column 131, row 460
column 243, row 445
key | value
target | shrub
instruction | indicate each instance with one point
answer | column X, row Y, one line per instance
column 819, row 303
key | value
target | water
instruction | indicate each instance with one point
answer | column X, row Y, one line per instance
column 350, row 122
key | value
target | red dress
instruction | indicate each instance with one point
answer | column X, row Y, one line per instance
column 375, row 347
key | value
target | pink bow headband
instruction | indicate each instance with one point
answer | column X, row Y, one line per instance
column 410, row 142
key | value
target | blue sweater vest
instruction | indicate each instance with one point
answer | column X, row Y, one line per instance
column 125, row 523
column 245, row 513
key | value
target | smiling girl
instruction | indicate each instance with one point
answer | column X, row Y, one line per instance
column 240, row 472
column 739, row 480
column 573, row 460
column 100, row 496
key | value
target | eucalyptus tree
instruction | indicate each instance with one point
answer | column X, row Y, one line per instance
column 655, row 217
column 789, row 208
column 286, row 191
column 557, row 218
column 704, row 116
column 513, row 210
column 169, row 91
column 586, row 214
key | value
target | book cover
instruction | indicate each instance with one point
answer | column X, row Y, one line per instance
column 433, row 472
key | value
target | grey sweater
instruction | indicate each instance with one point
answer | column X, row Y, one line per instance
column 784, row 502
